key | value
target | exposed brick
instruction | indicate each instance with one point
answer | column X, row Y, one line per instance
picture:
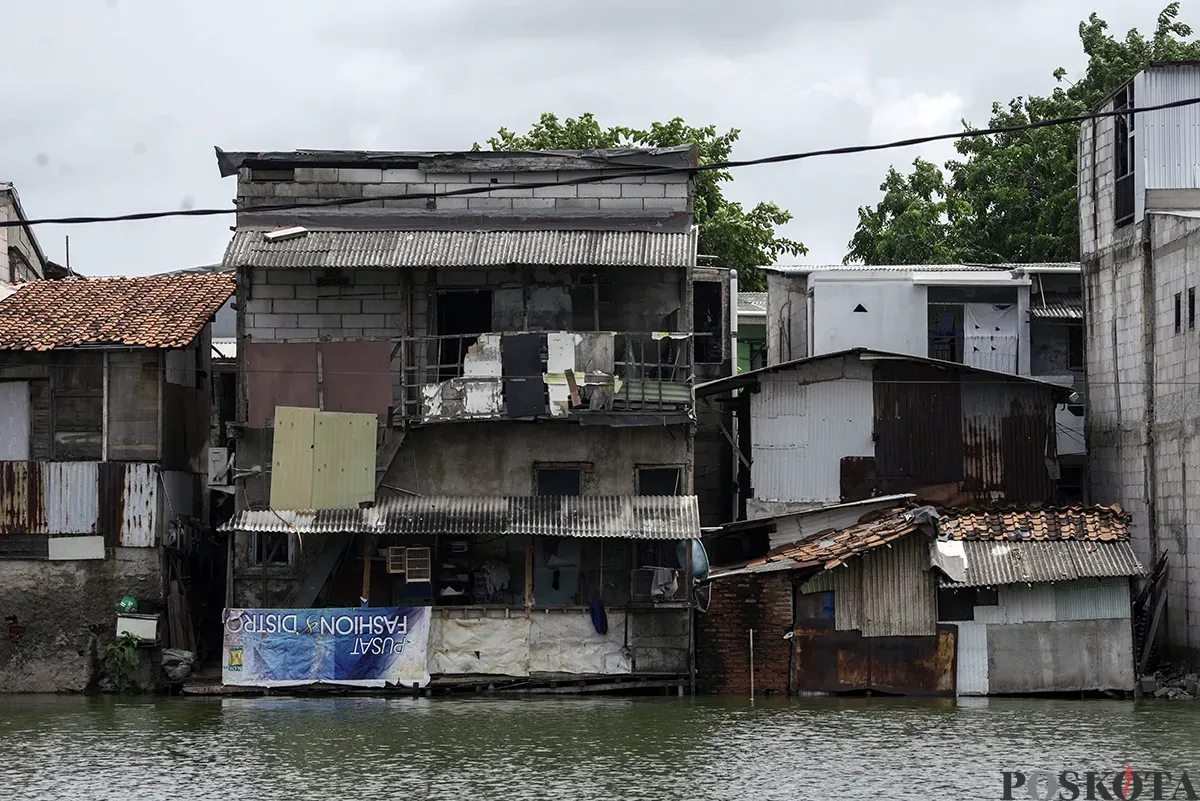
column 400, row 176
column 292, row 306
column 361, row 175
column 339, row 306
column 643, row 190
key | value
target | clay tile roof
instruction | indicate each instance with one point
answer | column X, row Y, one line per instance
column 833, row 547
column 1088, row 523
column 158, row 311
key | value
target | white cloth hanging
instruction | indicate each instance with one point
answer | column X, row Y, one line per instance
column 990, row 336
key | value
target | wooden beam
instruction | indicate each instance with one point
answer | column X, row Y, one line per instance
column 368, row 548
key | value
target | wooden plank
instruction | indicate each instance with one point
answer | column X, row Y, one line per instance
column 574, row 387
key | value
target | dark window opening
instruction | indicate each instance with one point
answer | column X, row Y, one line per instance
column 1124, row 157
column 466, row 312
column 707, row 321
column 956, row 605
column 559, row 481
column 272, row 549
column 1178, row 312
column 263, row 174
column 659, row 481
column 1070, row 483
column 987, row 596
column 1191, row 308
column 1075, row 348
column 946, row 332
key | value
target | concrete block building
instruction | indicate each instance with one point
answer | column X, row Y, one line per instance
column 1139, row 216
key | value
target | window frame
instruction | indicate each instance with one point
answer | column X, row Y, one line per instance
column 256, row 556
column 644, row 468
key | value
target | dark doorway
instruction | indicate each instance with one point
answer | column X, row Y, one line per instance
column 466, row 312
column 706, row 321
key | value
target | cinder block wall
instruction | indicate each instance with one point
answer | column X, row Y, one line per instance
column 762, row 603
column 656, row 193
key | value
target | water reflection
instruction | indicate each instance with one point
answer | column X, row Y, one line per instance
column 604, row 749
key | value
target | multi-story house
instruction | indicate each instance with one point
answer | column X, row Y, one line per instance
column 104, row 422
column 1139, row 219
column 511, row 374
column 1021, row 319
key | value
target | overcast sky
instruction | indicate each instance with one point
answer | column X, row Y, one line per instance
column 114, row 106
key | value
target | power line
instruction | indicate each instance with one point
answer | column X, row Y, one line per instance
column 589, row 179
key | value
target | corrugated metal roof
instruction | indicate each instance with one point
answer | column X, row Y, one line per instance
column 996, row 563
column 649, row 517
column 752, row 303
column 463, row 249
column 1058, row 306
column 224, row 348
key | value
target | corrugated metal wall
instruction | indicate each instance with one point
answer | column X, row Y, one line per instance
column 1092, row 599
column 117, row 500
column 800, row 432
column 1169, row 140
column 1008, row 430
column 847, row 596
column 898, row 593
column 972, row 659
column 918, row 426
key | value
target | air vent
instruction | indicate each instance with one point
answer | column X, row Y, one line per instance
column 395, row 560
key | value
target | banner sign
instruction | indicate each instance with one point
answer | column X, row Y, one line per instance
column 367, row 647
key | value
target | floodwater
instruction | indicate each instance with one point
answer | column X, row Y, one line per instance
column 605, row 749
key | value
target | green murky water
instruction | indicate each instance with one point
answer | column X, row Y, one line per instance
column 655, row 749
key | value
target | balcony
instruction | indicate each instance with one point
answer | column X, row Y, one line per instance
column 597, row 377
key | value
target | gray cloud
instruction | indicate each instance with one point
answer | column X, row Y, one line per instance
column 126, row 100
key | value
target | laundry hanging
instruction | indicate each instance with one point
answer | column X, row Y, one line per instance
column 990, row 336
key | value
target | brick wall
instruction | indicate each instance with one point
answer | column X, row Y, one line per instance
column 762, row 603
column 656, row 193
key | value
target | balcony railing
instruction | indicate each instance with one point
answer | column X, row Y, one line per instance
column 556, row 374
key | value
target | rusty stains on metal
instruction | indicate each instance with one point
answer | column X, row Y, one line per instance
column 857, row 478
column 22, row 502
column 918, row 426
column 111, row 484
column 825, row 660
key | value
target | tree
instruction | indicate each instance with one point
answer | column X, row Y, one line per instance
column 1012, row 197
column 740, row 239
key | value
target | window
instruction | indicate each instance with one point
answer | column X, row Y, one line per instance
column 1124, row 157
column 275, row 549
column 1178, row 312
column 460, row 312
column 1075, row 347
column 707, row 321
column 265, row 174
column 955, row 605
column 986, row 596
column 946, row 332
column 559, row 480
column 1191, row 308
column 659, row 481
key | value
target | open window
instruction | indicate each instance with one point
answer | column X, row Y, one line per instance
column 274, row 549
column 556, row 480
column 1123, row 157
column 462, row 315
column 660, row 480
column 1075, row 347
column 707, row 322
column 946, row 332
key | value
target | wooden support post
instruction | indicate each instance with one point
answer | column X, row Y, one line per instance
column 368, row 547
column 691, row 618
column 528, row 576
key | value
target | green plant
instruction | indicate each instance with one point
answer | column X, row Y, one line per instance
column 121, row 661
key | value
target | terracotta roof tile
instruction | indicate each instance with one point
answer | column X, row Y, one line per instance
column 158, row 311
column 832, row 547
column 1094, row 523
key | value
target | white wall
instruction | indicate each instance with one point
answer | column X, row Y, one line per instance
column 14, row 420
column 801, row 431
column 896, row 317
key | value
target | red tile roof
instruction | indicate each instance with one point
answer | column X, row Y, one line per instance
column 1090, row 523
column 158, row 311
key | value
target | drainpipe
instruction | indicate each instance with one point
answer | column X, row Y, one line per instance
column 733, row 418
column 810, row 348
column 733, row 319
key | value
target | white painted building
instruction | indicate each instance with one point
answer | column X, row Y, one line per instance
column 1024, row 319
column 1139, row 215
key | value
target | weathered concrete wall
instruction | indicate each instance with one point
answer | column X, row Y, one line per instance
column 659, row 640
column 762, row 603
column 499, row 458
column 787, row 318
column 666, row 193
column 58, row 616
column 26, row 265
column 1064, row 656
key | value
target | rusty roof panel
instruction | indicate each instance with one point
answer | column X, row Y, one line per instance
column 139, row 504
column 462, row 249
column 625, row 516
column 997, row 563
column 22, row 503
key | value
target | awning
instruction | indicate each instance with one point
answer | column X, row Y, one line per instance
column 401, row 249
column 991, row 563
column 643, row 517
column 1056, row 307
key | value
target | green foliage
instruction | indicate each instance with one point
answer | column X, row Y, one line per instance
column 121, row 661
column 740, row 238
column 1011, row 197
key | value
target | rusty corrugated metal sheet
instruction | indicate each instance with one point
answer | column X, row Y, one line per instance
column 138, row 506
column 899, row 596
column 462, row 249
column 918, row 426
column 1007, row 430
column 22, row 507
column 625, row 516
column 72, row 497
column 991, row 564
column 825, row 660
